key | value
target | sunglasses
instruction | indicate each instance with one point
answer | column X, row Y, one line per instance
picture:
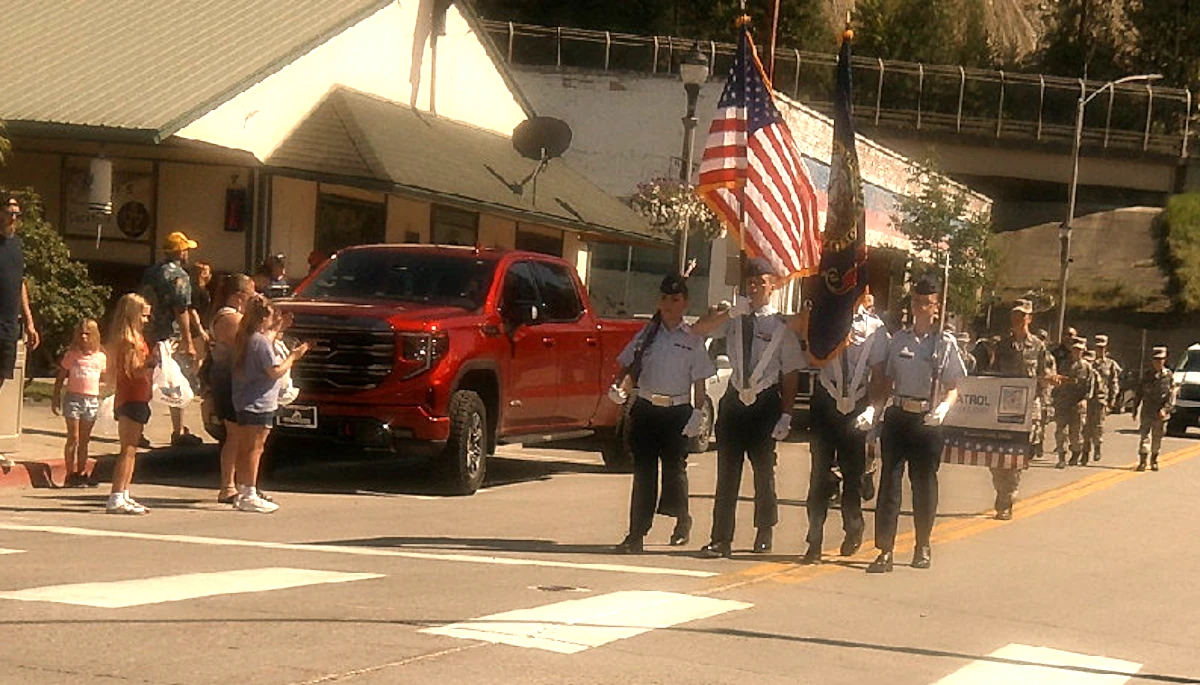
column 14, row 213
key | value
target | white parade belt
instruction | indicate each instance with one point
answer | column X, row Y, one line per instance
column 661, row 400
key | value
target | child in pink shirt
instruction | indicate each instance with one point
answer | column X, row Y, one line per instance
column 83, row 369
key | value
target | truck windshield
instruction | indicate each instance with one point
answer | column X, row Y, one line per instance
column 404, row 276
column 1191, row 362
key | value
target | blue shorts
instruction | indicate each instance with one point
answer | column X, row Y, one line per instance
column 256, row 418
column 80, row 407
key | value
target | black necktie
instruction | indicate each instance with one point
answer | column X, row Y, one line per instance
column 845, row 355
column 747, row 347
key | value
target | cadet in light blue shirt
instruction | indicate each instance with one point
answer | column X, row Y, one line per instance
column 668, row 365
column 911, row 431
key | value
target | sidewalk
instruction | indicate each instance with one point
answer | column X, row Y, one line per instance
column 39, row 459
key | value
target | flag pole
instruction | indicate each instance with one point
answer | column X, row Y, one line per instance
column 774, row 35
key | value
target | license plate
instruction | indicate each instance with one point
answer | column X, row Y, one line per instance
column 296, row 417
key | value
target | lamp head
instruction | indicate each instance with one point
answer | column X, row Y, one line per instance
column 693, row 66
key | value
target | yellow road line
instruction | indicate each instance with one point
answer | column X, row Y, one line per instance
column 948, row 530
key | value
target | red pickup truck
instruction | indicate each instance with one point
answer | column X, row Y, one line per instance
column 446, row 351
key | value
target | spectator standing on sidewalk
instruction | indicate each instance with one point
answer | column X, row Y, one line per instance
column 238, row 290
column 258, row 374
column 131, row 366
column 14, row 298
column 83, row 369
column 168, row 288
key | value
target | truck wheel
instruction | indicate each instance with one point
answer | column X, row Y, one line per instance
column 615, row 449
column 465, row 456
column 700, row 443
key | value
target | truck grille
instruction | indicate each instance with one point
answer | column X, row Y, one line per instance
column 345, row 354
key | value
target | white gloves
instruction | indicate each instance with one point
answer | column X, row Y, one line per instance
column 865, row 420
column 739, row 308
column 935, row 417
column 617, row 395
column 782, row 427
column 692, row 429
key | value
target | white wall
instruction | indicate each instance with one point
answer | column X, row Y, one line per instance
column 192, row 200
column 375, row 56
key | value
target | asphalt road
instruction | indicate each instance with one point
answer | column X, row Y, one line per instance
column 367, row 576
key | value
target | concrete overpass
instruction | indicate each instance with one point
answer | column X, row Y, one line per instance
column 1004, row 134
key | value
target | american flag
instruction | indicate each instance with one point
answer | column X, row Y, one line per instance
column 751, row 163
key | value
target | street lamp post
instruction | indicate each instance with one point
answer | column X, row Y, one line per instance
column 693, row 71
column 1064, row 232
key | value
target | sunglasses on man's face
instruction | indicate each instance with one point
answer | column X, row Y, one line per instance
column 14, row 213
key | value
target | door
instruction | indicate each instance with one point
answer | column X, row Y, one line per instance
column 577, row 341
column 531, row 379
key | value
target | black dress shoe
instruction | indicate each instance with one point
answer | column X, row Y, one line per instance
column 1153, row 464
column 763, row 540
column 882, row 563
column 922, row 557
column 1141, row 465
column 851, row 544
column 682, row 532
column 812, row 556
column 716, row 550
column 632, row 544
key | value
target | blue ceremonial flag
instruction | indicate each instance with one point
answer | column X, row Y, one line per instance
column 842, row 274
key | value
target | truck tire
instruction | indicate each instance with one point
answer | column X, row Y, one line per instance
column 1176, row 427
column 700, row 443
column 615, row 449
column 465, row 456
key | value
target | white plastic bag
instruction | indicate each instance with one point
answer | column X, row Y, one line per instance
column 171, row 387
column 106, row 419
column 288, row 392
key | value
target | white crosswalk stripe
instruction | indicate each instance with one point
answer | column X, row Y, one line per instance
column 576, row 625
column 1042, row 666
column 128, row 593
column 10, row 551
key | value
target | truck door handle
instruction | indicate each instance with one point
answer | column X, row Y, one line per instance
column 591, row 341
column 548, row 341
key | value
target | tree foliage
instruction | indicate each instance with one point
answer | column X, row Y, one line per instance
column 938, row 221
column 802, row 23
column 1086, row 38
column 933, row 32
column 1168, row 39
column 1179, row 225
column 5, row 144
column 61, row 292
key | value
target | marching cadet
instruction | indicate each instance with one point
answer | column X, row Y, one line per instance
column 1070, row 402
column 756, row 411
column 968, row 359
column 841, row 416
column 1020, row 354
column 921, row 375
column 1156, row 396
column 1108, row 397
column 668, row 366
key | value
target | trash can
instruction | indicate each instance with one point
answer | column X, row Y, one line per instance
column 12, row 400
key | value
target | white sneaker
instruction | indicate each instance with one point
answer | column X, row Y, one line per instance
column 6, row 464
column 124, row 506
column 136, row 503
column 256, row 504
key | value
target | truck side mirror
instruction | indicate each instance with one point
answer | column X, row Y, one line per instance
column 518, row 315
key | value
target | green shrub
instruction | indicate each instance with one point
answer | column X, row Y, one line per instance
column 1179, row 225
column 61, row 292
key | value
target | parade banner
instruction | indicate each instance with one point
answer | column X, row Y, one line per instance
column 990, row 423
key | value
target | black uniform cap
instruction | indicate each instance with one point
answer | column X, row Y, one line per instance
column 674, row 284
column 927, row 285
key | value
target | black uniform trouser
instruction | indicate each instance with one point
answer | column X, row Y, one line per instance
column 656, row 434
column 745, row 433
column 907, row 440
column 835, row 440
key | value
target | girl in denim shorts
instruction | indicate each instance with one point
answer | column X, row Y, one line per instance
column 82, row 370
column 131, row 366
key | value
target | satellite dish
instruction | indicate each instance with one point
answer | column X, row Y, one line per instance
column 542, row 138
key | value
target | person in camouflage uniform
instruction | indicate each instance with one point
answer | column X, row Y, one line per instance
column 1107, row 396
column 1070, row 402
column 1156, row 397
column 1019, row 354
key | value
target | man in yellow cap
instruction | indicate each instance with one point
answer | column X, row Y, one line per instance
column 168, row 288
